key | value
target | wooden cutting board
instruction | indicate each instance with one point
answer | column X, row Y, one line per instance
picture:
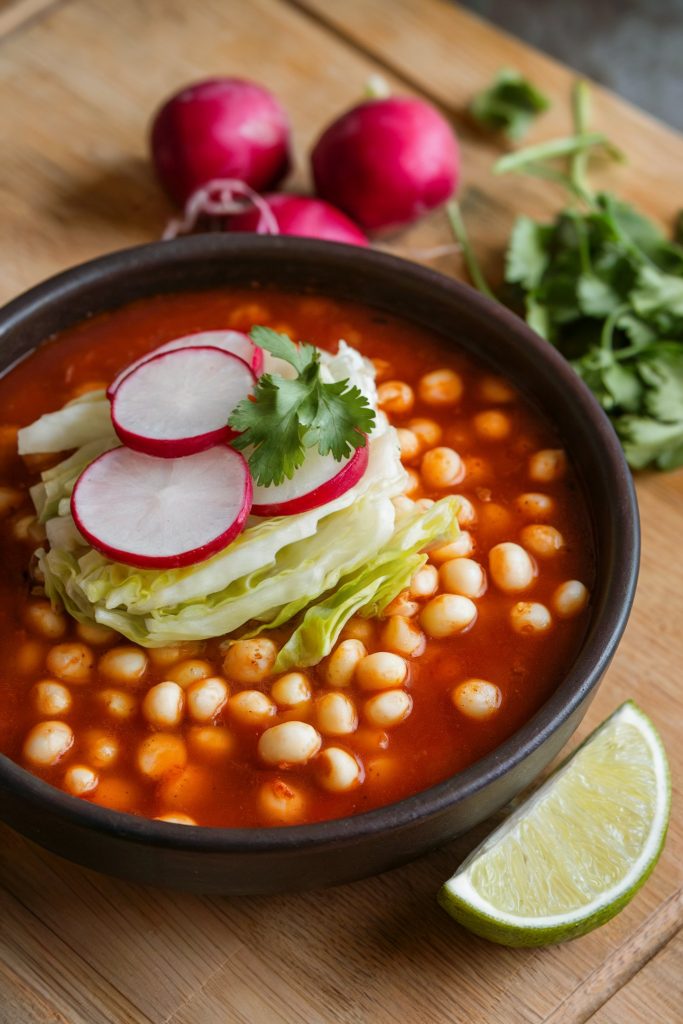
column 78, row 81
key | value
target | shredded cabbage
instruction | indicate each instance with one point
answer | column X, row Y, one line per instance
column 349, row 556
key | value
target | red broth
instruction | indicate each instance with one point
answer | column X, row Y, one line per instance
column 216, row 776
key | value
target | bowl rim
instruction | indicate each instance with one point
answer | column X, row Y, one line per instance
column 582, row 677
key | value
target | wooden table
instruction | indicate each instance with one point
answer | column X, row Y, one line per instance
column 78, row 81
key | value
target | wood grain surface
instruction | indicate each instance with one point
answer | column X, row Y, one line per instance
column 78, row 82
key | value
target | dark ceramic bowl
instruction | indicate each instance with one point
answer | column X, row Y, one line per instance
column 307, row 856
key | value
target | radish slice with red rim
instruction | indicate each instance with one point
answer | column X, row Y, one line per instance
column 162, row 513
column 318, row 481
column 237, row 342
column 179, row 402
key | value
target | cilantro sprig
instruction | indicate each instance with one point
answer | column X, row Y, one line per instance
column 604, row 285
column 283, row 417
column 509, row 105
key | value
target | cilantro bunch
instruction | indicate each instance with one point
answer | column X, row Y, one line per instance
column 604, row 285
column 286, row 416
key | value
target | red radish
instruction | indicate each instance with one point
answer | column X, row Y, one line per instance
column 179, row 402
column 320, row 480
column 387, row 161
column 162, row 513
column 220, row 128
column 300, row 215
column 236, row 342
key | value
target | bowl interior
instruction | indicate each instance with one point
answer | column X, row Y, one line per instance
column 461, row 316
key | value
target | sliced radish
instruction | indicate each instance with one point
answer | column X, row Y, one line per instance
column 321, row 479
column 179, row 402
column 162, row 513
column 228, row 341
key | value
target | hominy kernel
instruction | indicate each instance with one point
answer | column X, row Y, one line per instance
column 118, row 703
column 281, row 803
column 402, row 605
column 163, row 657
column 388, row 709
column 447, row 615
column 212, row 742
column 289, row 743
column 383, row 368
column 440, row 388
column 495, row 518
column 424, row 583
column 441, row 468
column 205, row 698
column 251, row 708
column 530, row 618
column 381, row 671
column 401, row 635
column 126, row 665
column 185, row 787
column 161, row 753
column 381, row 769
column 428, row 432
column 79, row 779
column 28, row 530
column 101, row 749
column 95, row 634
column 409, row 444
column 30, row 657
column 47, row 743
column 189, row 671
column 463, row 576
column 534, row 505
column 291, row 690
column 176, row 818
column 10, row 500
column 542, row 540
column 496, row 390
column 395, row 397
column 250, row 661
column 337, row 770
column 164, row 704
column 569, row 599
column 461, row 547
column 547, row 465
column 358, row 628
column 492, row 425
column 51, row 697
column 466, row 514
column 511, row 568
column 336, row 714
column 72, row 663
column 46, row 621
column 477, row 698
column 341, row 665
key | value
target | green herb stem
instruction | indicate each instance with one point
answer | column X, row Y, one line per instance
column 550, row 150
column 581, row 115
column 460, row 232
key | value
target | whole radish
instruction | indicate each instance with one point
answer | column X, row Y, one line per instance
column 300, row 215
column 387, row 161
column 220, row 128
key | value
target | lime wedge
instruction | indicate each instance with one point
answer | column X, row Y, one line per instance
column 574, row 853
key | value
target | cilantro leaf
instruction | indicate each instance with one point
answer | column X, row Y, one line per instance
column 284, row 417
column 510, row 104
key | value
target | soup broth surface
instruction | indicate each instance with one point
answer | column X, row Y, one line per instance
column 210, row 772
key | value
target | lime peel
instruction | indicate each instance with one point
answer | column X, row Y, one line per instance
column 573, row 854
